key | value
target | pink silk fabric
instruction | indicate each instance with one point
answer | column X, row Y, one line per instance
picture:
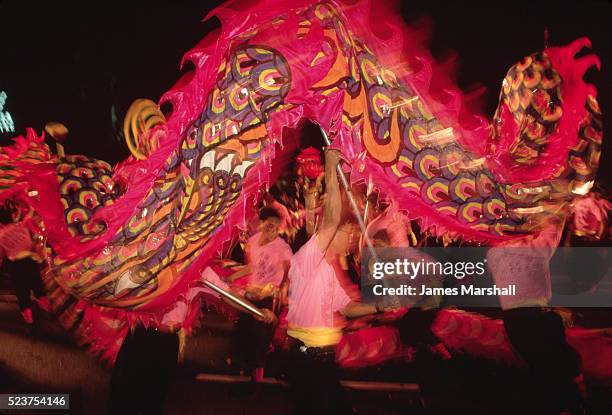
column 315, row 294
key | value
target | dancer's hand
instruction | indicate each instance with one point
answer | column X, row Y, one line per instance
column 256, row 293
column 333, row 156
column 268, row 316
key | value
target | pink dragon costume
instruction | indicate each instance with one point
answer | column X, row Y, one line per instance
column 126, row 242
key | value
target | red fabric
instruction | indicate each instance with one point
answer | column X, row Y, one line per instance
column 477, row 336
column 15, row 238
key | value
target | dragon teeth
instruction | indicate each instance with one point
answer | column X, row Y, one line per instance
column 225, row 163
column 208, row 160
column 242, row 167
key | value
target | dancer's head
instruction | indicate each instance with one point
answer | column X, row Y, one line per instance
column 270, row 222
column 346, row 239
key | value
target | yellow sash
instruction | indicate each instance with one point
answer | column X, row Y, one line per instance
column 316, row 336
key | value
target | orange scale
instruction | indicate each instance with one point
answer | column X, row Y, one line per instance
column 89, row 198
column 471, row 211
column 64, row 168
column 369, row 71
column 70, row 186
column 593, row 134
column 447, row 210
column 578, row 164
column 77, row 215
column 127, row 251
column 136, row 224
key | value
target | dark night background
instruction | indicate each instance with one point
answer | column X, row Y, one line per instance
column 73, row 62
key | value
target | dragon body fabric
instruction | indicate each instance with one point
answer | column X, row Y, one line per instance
column 127, row 242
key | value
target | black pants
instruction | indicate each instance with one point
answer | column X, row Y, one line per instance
column 25, row 274
column 252, row 338
column 314, row 382
column 139, row 383
column 415, row 327
column 538, row 335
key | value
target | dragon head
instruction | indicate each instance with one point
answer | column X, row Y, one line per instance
column 548, row 123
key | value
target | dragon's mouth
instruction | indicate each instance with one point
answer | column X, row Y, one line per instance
column 226, row 169
column 223, row 160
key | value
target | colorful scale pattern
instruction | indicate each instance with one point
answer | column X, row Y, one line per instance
column 400, row 133
column 31, row 151
column 85, row 185
column 584, row 157
column 253, row 82
column 531, row 91
column 402, row 137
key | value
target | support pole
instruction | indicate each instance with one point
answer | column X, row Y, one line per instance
column 235, row 299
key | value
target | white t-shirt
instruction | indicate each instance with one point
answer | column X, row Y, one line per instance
column 267, row 261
